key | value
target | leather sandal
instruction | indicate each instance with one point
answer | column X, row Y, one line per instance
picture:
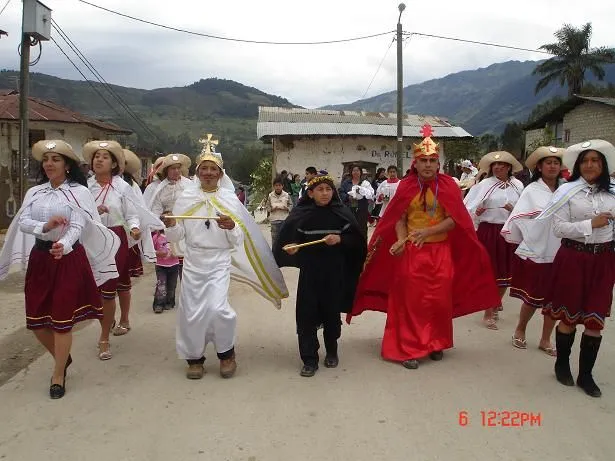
column 121, row 330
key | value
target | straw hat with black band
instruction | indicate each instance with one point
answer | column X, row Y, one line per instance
column 176, row 159
column 133, row 164
column 541, row 153
column 502, row 157
column 56, row 146
column 113, row 147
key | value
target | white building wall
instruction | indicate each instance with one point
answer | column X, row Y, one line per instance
column 330, row 153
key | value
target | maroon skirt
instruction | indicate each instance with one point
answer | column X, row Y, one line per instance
column 122, row 283
column 531, row 282
column 135, row 265
column 60, row 292
column 582, row 284
column 500, row 251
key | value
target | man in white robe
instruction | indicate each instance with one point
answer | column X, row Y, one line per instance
column 228, row 245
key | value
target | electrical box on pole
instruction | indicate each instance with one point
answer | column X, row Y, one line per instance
column 36, row 20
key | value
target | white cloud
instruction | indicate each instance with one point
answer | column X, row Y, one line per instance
column 138, row 55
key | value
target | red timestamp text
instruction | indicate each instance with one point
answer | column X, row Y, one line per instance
column 500, row 418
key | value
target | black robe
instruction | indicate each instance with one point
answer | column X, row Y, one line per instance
column 329, row 274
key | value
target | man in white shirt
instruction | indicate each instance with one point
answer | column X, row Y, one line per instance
column 386, row 189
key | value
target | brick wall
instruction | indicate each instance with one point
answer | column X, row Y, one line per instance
column 590, row 120
column 531, row 136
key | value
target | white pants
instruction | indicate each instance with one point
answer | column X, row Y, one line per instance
column 204, row 313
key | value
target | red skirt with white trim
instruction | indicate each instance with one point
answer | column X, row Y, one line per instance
column 122, row 283
column 500, row 251
column 60, row 292
column 582, row 286
column 135, row 265
column 531, row 282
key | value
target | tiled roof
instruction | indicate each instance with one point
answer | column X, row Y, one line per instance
column 280, row 121
column 47, row 111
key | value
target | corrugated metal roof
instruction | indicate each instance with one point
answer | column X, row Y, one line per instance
column 282, row 121
column 352, row 129
column 608, row 101
column 47, row 111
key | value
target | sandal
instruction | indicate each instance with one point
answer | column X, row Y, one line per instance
column 104, row 350
column 491, row 324
column 121, row 330
column 549, row 350
column 519, row 343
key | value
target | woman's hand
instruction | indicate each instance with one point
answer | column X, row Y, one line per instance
column 57, row 250
column 480, row 210
column 102, row 209
column 508, row 207
column 226, row 222
column 601, row 220
column 398, row 247
column 55, row 221
column 135, row 233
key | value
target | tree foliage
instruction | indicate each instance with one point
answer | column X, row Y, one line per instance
column 573, row 57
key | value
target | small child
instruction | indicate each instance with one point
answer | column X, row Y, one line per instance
column 329, row 271
column 167, row 270
column 278, row 206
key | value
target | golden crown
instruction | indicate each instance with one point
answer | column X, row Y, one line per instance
column 318, row 179
column 427, row 147
column 208, row 153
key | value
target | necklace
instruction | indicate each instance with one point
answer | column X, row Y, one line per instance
column 209, row 191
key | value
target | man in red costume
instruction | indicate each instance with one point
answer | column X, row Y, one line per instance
column 424, row 265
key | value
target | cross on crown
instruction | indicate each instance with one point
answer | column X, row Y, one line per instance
column 209, row 144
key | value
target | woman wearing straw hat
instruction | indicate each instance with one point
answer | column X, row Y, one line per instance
column 120, row 211
column 584, row 268
column 57, row 233
column 490, row 203
column 537, row 245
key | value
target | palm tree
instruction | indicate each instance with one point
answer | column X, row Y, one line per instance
column 572, row 58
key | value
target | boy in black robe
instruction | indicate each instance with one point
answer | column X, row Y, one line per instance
column 329, row 270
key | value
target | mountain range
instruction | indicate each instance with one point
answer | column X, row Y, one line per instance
column 481, row 101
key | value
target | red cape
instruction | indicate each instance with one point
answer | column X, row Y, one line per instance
column 474, row 287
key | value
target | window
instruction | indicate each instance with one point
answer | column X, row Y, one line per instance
column 566, row 135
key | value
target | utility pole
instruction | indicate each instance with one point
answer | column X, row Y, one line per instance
column 400, row 96
column 35, row 26
column 24, row 128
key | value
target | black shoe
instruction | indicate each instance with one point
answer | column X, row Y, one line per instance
column 563, row 344
column 158, row 309
column 587, row 359
column 411, row 364
column 308, row 370
column 331, row 361
column 436, row 356
column 57, row 391
column 168, row 307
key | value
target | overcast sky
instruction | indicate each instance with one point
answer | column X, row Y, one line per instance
column 133, row 54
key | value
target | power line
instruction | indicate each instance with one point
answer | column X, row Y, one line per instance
column 4, row 7
column 231, row 39
column 378, row 69
column 101, row 79
column 102, row 96
column 475, row 42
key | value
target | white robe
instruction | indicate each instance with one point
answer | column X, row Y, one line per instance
column 100, row 243
column 384, row 194
column 213, row 257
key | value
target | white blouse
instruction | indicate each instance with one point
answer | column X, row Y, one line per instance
column 573, row 220
column 498, row 197
column 122, row 212
column 34, row 217
column 165, row 199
